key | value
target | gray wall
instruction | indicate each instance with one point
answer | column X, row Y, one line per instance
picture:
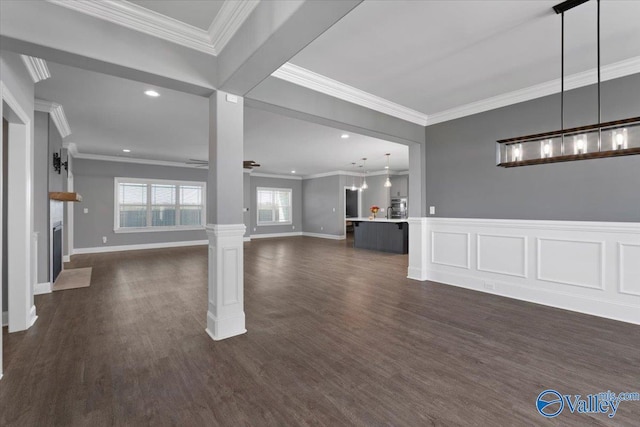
column 94, row 180
column 41, row 166
column 297, row 200
column 463, row 181
column 320, row 197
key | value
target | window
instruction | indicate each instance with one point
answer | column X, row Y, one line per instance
column 274, row 206
column 158, row 205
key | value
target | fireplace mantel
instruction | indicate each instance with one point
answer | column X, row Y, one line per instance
column 65, row 196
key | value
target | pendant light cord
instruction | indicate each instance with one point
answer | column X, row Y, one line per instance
column 599, row 109
column 562, row 82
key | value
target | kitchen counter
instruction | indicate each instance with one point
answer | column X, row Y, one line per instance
column 378, row 219
column 381, row 234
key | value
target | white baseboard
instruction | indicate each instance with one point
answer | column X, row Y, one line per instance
column 5, row 318
column 32, row 316
column 42, row 288
column 274, row 235
column 66, row 258
column 324, row 236
column 103, row 249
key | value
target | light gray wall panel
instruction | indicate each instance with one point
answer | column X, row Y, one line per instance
column 463, row 181
column 94, row 180
column 296, row 194
column 41, row 166
column 320, row 197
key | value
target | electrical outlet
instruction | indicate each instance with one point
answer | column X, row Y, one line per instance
column 490, row 286
column 334, row 209
column 321, row 228
column 432, row 210
column 86, row 210
column 254, row 229
column 104, row 239
column 293, row 227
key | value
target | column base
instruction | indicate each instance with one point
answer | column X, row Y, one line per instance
column 220, row 329
column 225, row 316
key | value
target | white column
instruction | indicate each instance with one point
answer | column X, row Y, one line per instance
column 419, row 250
column 22, row 311
column 225, row 316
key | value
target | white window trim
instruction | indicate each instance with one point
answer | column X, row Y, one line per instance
column 150, row 229
column 270, row 224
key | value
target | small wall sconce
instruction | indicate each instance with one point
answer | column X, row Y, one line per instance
column 58, row 163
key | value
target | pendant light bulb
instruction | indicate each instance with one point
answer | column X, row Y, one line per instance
column 353, row 179
column 364, row 177
column 387, row 183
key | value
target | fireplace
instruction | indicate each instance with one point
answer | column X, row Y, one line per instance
column 56, row 250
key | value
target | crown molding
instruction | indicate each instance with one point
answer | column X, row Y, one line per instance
column 138, row 18
column 56, row 111
column 230, row 17
column 86, row 156
column 71, row 148
column 144, row 20
column 273, row 175
column 36, row 67
column 307, row 78
column 585, row 78
column 347, row 173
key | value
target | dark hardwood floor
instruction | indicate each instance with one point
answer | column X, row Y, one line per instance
column 336, row 336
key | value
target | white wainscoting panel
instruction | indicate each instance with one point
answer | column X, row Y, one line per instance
column 451, row 249
column 629, row 268
column 589, row 267
column 571, row 262
column 502, row 254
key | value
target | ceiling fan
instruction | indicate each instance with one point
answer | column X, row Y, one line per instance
column 247, row 164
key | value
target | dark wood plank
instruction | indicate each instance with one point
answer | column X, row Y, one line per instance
column 336, row 336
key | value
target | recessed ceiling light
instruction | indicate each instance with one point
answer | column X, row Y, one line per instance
column 293, row 171
column 151, row 93
column 126, row 150
column 344, row 136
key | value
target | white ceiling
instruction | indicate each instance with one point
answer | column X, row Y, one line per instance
column 199, row 13
column 435, row 55
column 108, row 114
column 429, row 56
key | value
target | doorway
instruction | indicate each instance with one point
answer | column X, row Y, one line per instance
column 352, row 206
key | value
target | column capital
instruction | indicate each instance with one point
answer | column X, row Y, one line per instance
column 223, row 230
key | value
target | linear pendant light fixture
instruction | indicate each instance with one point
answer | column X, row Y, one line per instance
column 610, row 139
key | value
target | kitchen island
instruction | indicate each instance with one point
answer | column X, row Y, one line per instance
column 381, row 234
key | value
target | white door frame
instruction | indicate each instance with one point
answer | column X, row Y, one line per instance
column 22, row 311
column 344, row 208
